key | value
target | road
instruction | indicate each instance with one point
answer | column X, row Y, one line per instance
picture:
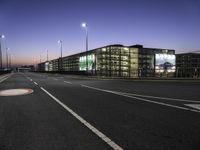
column 68, row 112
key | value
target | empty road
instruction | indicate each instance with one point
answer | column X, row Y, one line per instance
column 61, row 112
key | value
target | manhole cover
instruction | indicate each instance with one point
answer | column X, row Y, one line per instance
column 15, row 92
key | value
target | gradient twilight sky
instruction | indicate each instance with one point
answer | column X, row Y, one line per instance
column 33, row 26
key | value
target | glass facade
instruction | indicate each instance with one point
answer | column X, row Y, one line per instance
column 165, row 63
column 83, row 62
column 133, row 62
column 115, row 61
column 188, row 65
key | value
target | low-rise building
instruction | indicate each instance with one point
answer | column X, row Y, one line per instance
column 119, row 61
column 188, row 65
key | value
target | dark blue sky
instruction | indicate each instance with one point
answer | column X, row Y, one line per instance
column 32, row 26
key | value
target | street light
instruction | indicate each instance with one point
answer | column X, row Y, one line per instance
column 7, row 49
column 60, row 42
column 10, row 61
column 1, row 58
column 85, row 25
column 47, row 55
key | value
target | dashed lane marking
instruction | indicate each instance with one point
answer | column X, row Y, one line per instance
column 111, row 143
column 141, row 99
column 35, row 83
column 67, row 82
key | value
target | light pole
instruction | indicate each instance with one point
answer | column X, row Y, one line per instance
column 60, row 42
column 10, row 61
column 85, row 25
column 7, row 49
column 1, row 58
column 47, row 55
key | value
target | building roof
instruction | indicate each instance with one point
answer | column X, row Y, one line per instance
column 190, row 53
column 112, row 45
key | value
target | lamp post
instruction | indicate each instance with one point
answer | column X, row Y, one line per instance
column 1, row 58
column 7, row 49
column 47, row 55
column 85, row 25
column 60, row 42
column 10, row 62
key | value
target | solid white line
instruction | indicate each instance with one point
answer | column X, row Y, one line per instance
column 164, row 98
column 67, row 82
column 160, row 103
column 35, row 83
column 87, row 124
column 55, row 79
column 141, row 99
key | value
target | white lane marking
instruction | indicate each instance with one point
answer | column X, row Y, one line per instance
column 3, row 79
column 55, row 79
column 141, row 99
column 164, row 98
column 35, row 83
column 27, row 77
column 31, row 80
column 196, row 106
column 87, row 124
column 68, row 82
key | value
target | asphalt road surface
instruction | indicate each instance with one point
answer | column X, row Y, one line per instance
column 76, row 113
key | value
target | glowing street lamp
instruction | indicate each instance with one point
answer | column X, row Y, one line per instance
column 85, row 25
column 1, row 58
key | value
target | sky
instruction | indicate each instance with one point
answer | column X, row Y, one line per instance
column 32, row 27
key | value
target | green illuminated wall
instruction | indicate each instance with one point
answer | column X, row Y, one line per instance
column 82, row 62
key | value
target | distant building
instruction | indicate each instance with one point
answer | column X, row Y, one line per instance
column 44, row 66
column 188, row 65
column 117, row 61
column 25, row 68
